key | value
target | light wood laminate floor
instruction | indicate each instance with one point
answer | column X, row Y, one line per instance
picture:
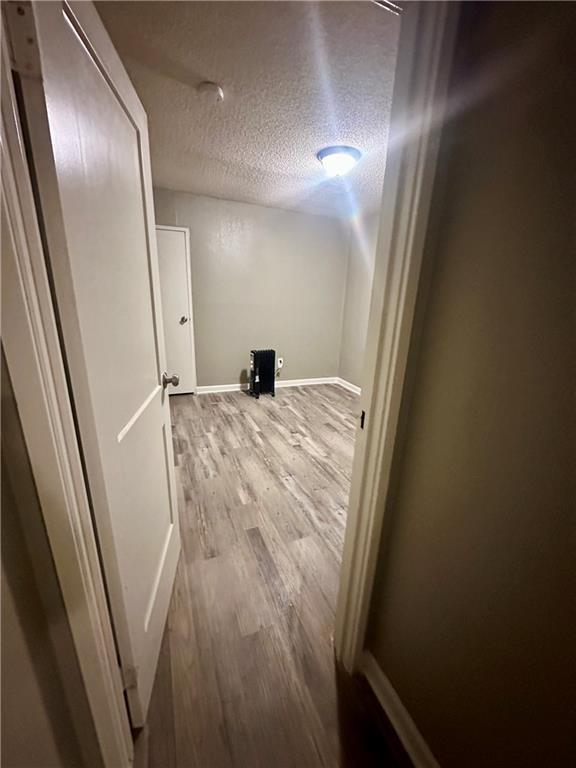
column 246, row 676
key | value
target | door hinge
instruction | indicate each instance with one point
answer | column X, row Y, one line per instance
column 129, row 676
column 362, row 419
column 24, row 52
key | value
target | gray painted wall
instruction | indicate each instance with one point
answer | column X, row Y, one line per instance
column 363, row 235
column 261, row 277
column 474, row 614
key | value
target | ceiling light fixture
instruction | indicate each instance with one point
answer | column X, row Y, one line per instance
column 338, row 160
column 211, row 91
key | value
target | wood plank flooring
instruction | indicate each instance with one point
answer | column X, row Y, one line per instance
column 246, row 676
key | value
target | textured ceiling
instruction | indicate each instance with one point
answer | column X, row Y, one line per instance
column 297, row 76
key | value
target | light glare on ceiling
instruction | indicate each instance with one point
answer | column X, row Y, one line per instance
column 338, row 160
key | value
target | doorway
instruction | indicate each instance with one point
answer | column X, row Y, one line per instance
column 282, row 258
column 262, row 651
column 175, row 268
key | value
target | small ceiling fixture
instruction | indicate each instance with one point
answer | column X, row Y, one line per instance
column 211, row 91
column 339, row 159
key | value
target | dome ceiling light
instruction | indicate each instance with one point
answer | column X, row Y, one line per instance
column 339, row 159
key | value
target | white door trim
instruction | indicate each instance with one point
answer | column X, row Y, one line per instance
column 418, row 109
column 186, row 232
column 32, row 348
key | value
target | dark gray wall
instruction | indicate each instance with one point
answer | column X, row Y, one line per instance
column 474, row 616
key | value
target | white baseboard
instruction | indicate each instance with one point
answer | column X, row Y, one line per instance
column 304, row 382
column 220, row 388
column 348, row 385
column 411, row 738
column 280, row 383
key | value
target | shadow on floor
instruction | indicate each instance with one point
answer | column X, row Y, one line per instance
column 367, row 739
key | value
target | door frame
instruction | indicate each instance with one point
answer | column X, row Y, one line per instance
column 186, row 232
column 419, row 109
column 36, row 366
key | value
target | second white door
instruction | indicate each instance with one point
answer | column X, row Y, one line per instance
column 176, row 290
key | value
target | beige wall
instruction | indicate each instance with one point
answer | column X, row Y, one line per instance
column 261, row 277
column 363, row 233
column 474, row 612
column 45, row 718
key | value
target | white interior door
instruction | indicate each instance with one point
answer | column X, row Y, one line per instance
column 90, row 148
column 176, row 286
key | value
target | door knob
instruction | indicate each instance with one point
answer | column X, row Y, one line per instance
column 174, row 379
column 183, row 320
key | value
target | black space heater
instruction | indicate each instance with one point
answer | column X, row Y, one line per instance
column 262, row 372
